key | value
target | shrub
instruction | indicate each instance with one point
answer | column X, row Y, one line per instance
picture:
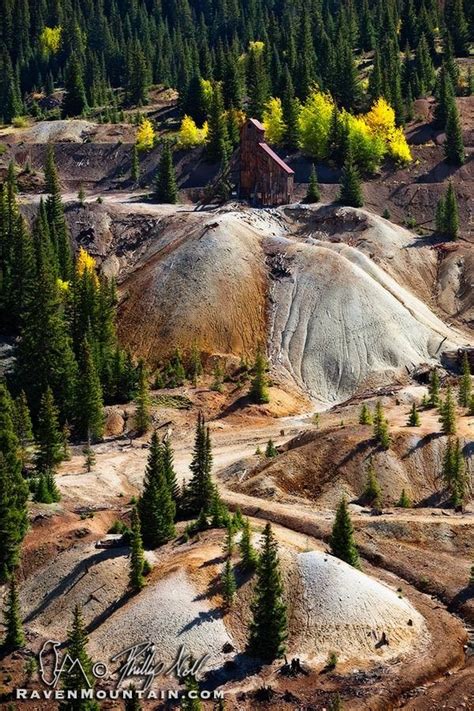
column 20, row 122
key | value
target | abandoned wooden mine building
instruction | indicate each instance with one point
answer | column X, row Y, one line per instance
column 265, row 179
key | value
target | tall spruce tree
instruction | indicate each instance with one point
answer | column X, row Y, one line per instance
column 200, row 491
column 381, row 432
column 49, row 440
column 156, row 507
column 13, row 491
column 350, row 192
column 14, row 637
column 90, row 419
column 78, row 674
column 259, row 386
column 447, row 413
column 268, row 629
column 75, row 101
column 218, row 146
column 313, row 194
column 453, row 146
column 137, row 560
column 465, row 383
column 248, row 553
column 166, row 190
column 342, row 537
column 142, row 401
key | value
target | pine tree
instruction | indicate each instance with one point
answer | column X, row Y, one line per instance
column 195, row 365
column 229, row 542
column 142, row 401
column 247, row 551
column 414, row 417
column 49, row 440
column 257, row 81
column 457, row 25
column 156, row 508
column 133, row 704
column 350, row 192
column 271, row 451
column 259, row 387
column 79, row 675
column 465, row 384
column 342, row 537
column 447, row 411
column 291, row 110
column 137, row 560
column 135, row 170
column 453, row 145
column 313, row 193
column 23, row 426
column 444, row 97
column 14, row 638
column 451, row 213
column 404, row 501
column 90, row 418
column 372, row 491
column 229, row 585
column 89, row 457
column 75, row 102
column 433, row 389
column 200, row 489
column 268, row 629
column 365, row 416
column 218, row 146
column 381, row 432
column 169, row 471
column 166, row 190
column 453, row 472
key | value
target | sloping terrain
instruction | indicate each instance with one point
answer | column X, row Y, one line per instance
column 347, row 612
column 318, row 466
column 341, row 297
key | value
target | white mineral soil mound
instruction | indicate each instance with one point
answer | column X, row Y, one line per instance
column 170, row 614
column 341, row 322
column 343, row 298
column 83, row 575
column 347, row 612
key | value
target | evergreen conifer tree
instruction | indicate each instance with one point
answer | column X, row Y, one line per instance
column 142, row 401
column 166, row 190
column 414, row 417
column 49, row 440
column 313, row 193
column 404, row 501
column 447, row 412
column 135, row 170
column 451, row 213
column 372, row 491
column 90, row 418
column 22, row 425
column 73, row 678
column 248, row 553
column 137, row 560
column 14, row 637
column 365, row 416
column 342, row 537
column 229, row 585
column 75, row 102
column 268, row 629
column 350, row 192
column 156, row 508
column 453, row 145
column 218, row 146
column 200, row 492
column 465, row 384
column 381, row 431
column 433, row 389
column 271, row 451
column 169, row 471
column 259, row 388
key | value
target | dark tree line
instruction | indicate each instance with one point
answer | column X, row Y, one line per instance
column 92, row 46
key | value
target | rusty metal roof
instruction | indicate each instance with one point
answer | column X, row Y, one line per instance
column 265, row 147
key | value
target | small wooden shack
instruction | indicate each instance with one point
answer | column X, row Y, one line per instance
column 265, row 179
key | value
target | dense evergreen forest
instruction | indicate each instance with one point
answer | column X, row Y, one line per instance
column 92, row 46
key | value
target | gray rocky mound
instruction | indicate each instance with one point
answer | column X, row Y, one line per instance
column 349, row 613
